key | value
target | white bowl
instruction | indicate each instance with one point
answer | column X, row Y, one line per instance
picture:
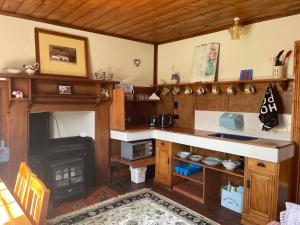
column 230, row 165
column 195, row 158
column 212, row 161
column 183, row 154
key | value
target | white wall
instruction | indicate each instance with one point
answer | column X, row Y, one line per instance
column 115, row 55
column 72, row 124
column 260, row 42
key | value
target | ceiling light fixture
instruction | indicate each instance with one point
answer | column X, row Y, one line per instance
column 235, row 29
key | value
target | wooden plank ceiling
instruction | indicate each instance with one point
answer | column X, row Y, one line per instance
column 151, row 21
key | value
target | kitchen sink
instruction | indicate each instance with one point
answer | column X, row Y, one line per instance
column 233, row 136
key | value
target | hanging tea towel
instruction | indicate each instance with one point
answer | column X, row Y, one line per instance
column 268, row 110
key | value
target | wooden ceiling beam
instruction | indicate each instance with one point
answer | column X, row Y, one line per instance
column 120, row 14
column 103, row 9
column 28, row 6
column 86, row 8
column 153, row 12
column 67, row 7
column 11, row 5
column 171, row 19
column 46, row 8
column 148, row 21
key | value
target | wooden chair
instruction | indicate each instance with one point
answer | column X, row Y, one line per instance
column 37, row 202
column 22, row 184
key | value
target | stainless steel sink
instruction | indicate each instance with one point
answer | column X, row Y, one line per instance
column 233, row 136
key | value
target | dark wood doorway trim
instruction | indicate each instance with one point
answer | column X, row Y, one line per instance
column 296, row 122
column 155, row 61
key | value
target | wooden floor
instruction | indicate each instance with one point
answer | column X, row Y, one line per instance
column 211, row 210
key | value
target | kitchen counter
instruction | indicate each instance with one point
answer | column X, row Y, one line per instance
column 261, row 148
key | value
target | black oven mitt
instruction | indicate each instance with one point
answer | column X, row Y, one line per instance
column 268, row 110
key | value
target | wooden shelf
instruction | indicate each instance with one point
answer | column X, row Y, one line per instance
column 148, row 100
column 49, row 77
column 220, row 168
column 197, row 178
column 20, row 99
column 191, row 190
column 135, row 163
column 55, row 98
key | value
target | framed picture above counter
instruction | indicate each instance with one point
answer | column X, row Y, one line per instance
column 61, row 54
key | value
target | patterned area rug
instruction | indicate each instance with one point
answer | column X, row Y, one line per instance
column 143, row 207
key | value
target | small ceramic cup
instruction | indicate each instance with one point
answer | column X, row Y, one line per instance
column 188, row 91
column 165, row 91
column 200, row 91
column 249, row 89
column 175, row 91
column 230, row 90
column 215, row 90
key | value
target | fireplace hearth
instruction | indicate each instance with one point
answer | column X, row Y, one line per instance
column 65, row 165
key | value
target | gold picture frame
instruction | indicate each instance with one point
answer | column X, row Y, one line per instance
column 61, row 54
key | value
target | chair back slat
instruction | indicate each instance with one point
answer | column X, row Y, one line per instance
column 37, row 202
column 22, row 182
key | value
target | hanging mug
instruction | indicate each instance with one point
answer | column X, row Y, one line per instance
column 230, row 90
column 165, row 91
column 215, row 90
column 200, row 91
column 249, row 89
column 175, row 91
column 188, row 91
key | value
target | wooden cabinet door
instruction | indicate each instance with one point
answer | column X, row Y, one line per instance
column 162, row 163
column 117, row 110
column 260, row 191
column 260, row 194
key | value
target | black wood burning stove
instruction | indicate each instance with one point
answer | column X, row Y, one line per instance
column 66, row 178
column 66, row 165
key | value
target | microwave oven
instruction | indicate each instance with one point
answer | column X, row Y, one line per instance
column 136, row 149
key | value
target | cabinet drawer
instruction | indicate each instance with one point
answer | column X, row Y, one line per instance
column 163, row 144
column 262, row 166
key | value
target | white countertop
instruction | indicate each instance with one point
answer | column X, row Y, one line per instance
column 262, row 149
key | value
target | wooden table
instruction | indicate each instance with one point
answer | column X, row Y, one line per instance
column 10, row 211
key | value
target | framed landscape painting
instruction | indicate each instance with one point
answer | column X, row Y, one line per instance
column 205, row 62
column 61, row 54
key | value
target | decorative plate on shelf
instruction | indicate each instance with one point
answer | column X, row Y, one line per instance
column 212, row 161
column 13, row 70
column 195, row 158
column 183, row 154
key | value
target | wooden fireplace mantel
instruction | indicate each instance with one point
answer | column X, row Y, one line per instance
column 41, row 95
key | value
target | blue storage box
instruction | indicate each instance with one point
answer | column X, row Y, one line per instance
column 188, row 169
column 232, row 200
column 231, row 121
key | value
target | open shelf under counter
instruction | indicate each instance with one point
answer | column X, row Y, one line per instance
column 197, row 178
column 134, row 163
column 237, row 172
column 191, row 189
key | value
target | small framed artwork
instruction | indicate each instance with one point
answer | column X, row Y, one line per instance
column 246, row 74
column 64, row 89
column 205, row 63
column 61, row 54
